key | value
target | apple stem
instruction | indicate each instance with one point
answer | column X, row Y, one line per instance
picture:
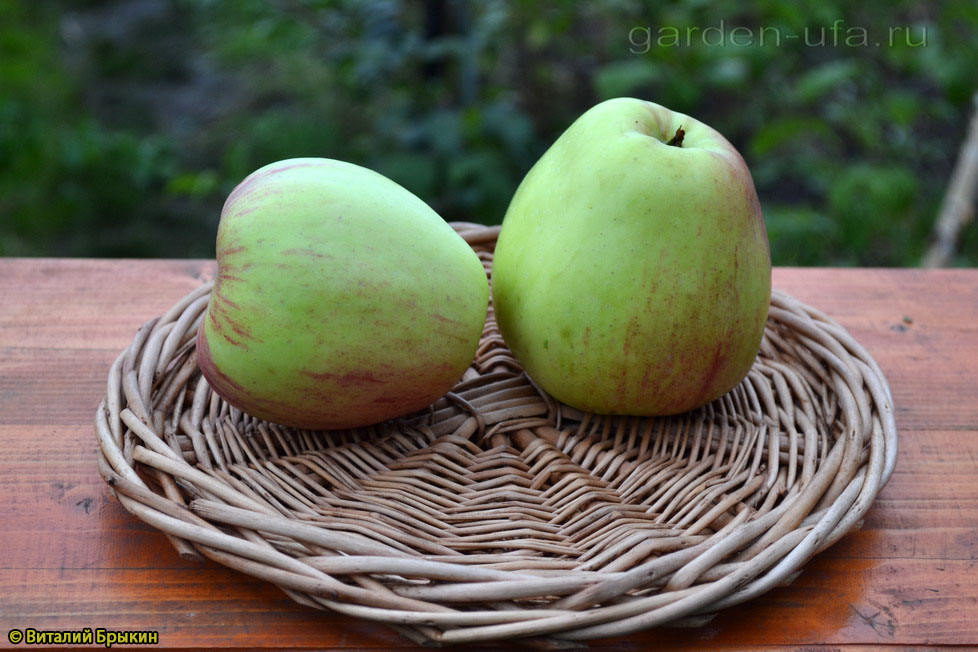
column 677, row 140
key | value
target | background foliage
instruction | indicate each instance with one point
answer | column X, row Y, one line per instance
column 124, row 124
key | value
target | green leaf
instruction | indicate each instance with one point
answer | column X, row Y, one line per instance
column 193, row 184
column 799, row 235
column 825, row 78
column 792, row 130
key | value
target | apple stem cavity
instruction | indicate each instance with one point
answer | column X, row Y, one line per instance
column 677, row 139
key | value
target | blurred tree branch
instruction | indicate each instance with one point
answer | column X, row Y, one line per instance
column 958, row 207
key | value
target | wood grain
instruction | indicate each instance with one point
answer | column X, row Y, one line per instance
column 73, row 558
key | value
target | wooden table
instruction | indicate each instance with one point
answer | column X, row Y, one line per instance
column 73, row 558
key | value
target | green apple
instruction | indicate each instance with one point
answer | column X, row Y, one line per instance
column 633, row 273
column 341, row 299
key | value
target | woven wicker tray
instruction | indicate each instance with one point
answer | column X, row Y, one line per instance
column 500, row 513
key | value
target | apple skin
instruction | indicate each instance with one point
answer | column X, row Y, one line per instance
column 632, row 276
column 341, row 299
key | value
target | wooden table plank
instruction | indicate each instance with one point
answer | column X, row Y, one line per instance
column 72, row 557
column 88, row 304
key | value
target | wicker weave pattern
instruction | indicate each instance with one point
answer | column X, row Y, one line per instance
column 500, row 513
